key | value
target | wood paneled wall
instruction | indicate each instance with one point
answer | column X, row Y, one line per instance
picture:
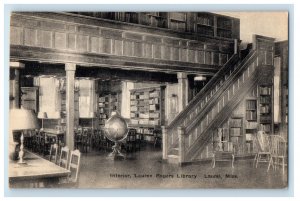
column 75, row 36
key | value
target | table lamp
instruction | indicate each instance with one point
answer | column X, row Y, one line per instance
column 20, row 120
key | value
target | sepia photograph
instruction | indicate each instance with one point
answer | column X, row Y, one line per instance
column 148, row 100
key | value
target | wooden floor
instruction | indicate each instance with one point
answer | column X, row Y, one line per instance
column 145, row 169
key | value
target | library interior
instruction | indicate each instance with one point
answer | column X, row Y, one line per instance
column 107, row 99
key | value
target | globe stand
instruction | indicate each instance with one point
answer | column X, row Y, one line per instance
column 116, row 153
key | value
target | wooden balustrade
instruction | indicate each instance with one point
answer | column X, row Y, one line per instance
column 243, row 80
column 202, row 112
column 66, row 38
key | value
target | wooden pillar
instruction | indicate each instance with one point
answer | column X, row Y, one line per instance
column 70, row 79
column 181, row 157
column 236, row 46
column 183, row 87
column 16, row 66
column 164, row 142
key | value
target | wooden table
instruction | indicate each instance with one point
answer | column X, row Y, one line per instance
column 38, row 172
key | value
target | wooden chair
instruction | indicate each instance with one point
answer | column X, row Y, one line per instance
column 264, row 149
column 157, row 139
column 74, row 165
column 223, row 156
column 64, row 157
column 86, row 140
column 130, row 141
column 53, row 153
column 77, row 138
column 278, row 152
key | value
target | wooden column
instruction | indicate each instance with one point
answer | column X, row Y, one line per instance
column 183, row 87
column 236, row 46
column 70, row 79
column 164, row 143
column 181, row 152
column 16, row 83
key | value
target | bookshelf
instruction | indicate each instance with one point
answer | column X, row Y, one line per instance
column 205, row 24
column 250, row 123
column 147, row 112
column 265, row 108
column 29, row 98
column 107, row 103
column 251, row 110
column 224, row 27
column 155, row 19
column 177, row 21
column 236, row 134
column 63, row 108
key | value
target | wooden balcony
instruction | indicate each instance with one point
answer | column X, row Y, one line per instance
column 65, row 37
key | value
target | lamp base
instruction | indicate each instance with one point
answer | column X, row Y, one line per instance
column 23, row 163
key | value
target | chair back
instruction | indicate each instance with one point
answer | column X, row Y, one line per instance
column 74, row 165
column 64, row 157
column 131, row 137
column 278, row 146
column 53, row 152
column 263, row 140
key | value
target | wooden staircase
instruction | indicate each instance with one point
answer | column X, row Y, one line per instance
column 188, row 134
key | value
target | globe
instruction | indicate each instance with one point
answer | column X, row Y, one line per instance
column 116, row 130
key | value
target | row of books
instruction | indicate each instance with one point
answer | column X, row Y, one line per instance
column 224, row 23
column 224, row 33
column 265, row 99
column 265, row 90
column 265, row 109
column 147, row 131
column 251, row 125
column 251, row 105
column 265, row 127
column 205, row 21
column 251, row 115
column 145, row 121
column 235, row 123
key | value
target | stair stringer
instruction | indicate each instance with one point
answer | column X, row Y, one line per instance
column 209, row 139
column 197, row 147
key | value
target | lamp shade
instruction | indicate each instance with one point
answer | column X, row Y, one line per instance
column 21, row 119
column 42, row 115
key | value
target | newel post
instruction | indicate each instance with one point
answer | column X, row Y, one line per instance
column 164, row 143
column 181, row 157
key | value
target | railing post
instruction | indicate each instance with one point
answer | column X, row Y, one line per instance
column 164, row 142
column 236, row 46
column 181, row 152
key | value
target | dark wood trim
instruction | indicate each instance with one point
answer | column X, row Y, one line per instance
column 201, row 141
column 112, row 24
column 205, row 91
column 47, row 55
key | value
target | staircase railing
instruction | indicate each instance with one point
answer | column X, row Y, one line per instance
column 252, row 70
column 197, row 103
column 216, row 98
column 196, row 134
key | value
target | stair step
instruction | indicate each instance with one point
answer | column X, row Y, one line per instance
column 174, row 151
column 173, row 159
column 172, row 156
